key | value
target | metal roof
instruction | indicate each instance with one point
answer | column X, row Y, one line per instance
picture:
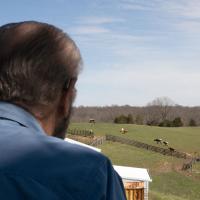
column 132, row 173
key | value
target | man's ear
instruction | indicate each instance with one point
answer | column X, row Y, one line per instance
column 67, row 97
column 64, row 103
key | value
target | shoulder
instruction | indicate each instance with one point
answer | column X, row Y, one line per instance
column 61, row 156
column 58, row 165
column 65, row 148
column 73, row 166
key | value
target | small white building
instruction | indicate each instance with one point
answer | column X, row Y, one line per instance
column 135, row 180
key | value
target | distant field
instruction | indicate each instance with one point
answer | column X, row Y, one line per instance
column 169, row 182
column 185, row 139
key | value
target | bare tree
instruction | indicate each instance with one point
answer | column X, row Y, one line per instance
column 159, row 109
column 149, row 113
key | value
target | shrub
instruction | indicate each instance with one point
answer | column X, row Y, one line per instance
column 139, row 119
column 130, row 119
column 166, row 123
column 192, row 122
column 122, row 119
column 177, row 122
column 152, row 123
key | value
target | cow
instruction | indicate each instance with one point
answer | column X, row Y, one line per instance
column 123, row 130
column 158, row 141
column 171, row 149
column 92, row 121
column 165, row 143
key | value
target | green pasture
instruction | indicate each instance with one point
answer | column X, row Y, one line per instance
column 186, row 139
column 126, row 155
column 169, row 182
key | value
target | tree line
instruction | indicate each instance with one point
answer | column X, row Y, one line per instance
column 159, row 112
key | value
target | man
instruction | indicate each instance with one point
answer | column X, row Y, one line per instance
column 39, row 65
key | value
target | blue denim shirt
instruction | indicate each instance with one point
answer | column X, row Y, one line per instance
column 37, row 167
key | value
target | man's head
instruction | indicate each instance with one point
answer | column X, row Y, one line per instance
column 39, row 65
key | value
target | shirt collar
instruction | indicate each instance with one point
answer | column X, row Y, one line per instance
column 15, row 113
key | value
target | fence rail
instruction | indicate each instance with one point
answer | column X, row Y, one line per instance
column 94, row 141
column 84, row 133
column 98, row 141
column 160, row 150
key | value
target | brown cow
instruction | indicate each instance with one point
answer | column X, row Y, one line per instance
column 123, row 130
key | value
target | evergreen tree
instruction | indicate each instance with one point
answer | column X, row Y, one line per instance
column 192, row 122
column 130, row 119
column 139, row 119
column 177, row 122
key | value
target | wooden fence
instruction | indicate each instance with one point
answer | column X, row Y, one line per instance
column 94, row 141
column 98, row 141
column 84, row 133
column 135, row 143
column 188, row 165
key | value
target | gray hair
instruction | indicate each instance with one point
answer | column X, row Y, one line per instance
column 36, row 62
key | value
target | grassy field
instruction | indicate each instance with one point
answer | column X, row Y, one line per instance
column 169, row 182
column 185, row 139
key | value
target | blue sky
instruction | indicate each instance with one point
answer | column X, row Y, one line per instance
column 133, row 50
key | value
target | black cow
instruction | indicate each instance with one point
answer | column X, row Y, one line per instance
column 92, row 121
column 165, row 143
column 171, row 149
column 158, row 141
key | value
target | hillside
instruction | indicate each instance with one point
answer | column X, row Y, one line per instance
column 169, row 181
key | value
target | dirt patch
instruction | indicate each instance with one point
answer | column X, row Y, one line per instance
column 164, row 167
column 85, row 140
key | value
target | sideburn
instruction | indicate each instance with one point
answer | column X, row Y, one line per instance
column 61, row 127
